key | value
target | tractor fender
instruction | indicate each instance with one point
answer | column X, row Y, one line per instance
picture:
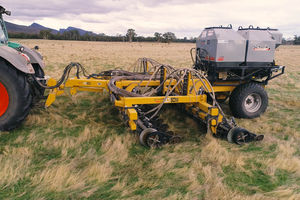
column 35, row 57
column 16, row 59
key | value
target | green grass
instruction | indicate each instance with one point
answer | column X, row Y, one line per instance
column 255, row 180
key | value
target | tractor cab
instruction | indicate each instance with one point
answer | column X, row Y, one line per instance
column 3, row 31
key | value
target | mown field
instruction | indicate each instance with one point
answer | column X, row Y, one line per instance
column 80, row 149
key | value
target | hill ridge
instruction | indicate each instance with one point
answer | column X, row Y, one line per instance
column 35, row 28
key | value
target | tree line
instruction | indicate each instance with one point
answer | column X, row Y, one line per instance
column 130, row 36
column 297, row 40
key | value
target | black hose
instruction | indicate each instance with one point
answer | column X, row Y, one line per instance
column 64, row 76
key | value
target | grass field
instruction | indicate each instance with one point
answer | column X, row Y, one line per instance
column 80, row 149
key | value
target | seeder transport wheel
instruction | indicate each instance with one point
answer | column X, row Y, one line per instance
column 248, row 100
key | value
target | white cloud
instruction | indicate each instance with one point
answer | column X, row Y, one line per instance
column 184, row 18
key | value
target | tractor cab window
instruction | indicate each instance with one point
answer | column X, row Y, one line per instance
column 3, row 38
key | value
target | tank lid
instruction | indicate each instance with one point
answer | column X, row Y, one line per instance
column 219, row 27
column 257, row 28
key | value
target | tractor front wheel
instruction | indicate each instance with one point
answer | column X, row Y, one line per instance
column 15, row 97
column 248, row 100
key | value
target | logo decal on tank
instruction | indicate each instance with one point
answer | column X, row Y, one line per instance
column 261, row 49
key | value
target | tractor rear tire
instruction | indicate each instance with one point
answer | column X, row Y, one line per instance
column 248, row 100
column 15, row 97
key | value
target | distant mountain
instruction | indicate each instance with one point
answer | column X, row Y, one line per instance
column 40, row 27
column 15, row 28
column 35, row 28
column 80, row 31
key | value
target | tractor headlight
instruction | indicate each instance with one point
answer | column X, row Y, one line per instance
column 21, row 49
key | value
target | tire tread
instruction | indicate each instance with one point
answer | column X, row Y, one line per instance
column 24, row 99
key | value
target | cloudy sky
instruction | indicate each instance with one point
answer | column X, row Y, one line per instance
column 183, row 17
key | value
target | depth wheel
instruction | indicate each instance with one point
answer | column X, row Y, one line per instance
column 15, row 97
column 248, row 100
column 241, row 136
column 237, row 135
column 156, row 139
column 144, row 134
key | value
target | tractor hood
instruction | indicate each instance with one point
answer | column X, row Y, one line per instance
column 17, row 59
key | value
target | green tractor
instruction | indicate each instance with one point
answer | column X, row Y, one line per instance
column 20, row 66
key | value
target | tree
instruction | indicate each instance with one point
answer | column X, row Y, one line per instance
column 66, row 35
column 284, row 41
column 130, row 34
column 74, row 34
column 297, row 40
column 157, row 36
column 193, row 39
column 86, row 37
column 169, row 36
column 45, row 34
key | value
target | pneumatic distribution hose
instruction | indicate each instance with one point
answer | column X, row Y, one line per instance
column 140, row 73
column 65, row 75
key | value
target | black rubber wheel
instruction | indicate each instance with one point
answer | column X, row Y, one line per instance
column 248, row 100
column 156, row 139
column 241, row 136
column 15, row 97
column 237, row 135
column 144, row 135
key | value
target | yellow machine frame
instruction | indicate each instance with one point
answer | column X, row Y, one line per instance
column 196, row 103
